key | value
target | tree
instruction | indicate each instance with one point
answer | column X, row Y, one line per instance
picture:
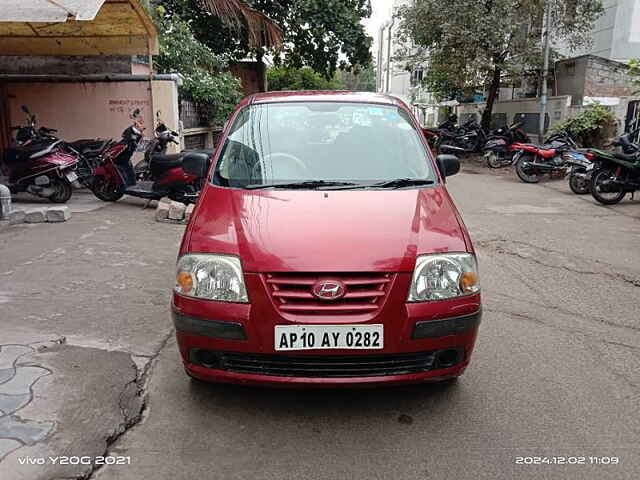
column 215, row 91
column 474, row 42
column 285, row 78
column 321, row 34
column 363, row 80
column 634, row 71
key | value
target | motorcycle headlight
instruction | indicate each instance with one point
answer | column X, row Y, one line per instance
column 442, row 276
column 211, row 277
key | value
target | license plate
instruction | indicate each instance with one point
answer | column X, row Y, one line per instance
column 71, row 176
column 321, row 337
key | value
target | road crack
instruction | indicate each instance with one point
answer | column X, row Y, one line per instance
column 133, row 400
column 506, row 247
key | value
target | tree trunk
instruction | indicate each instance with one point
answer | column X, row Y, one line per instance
column 261, row 71
column 493, row 93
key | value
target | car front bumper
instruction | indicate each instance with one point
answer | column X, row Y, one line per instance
column 234, row 343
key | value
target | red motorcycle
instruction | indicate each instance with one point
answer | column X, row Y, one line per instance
column 179, row 176
column 532, row 161
column 38, row 164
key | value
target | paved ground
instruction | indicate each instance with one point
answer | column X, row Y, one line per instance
column 555, row 372
column 82, row 201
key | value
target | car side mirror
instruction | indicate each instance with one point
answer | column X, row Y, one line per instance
column 448, row 165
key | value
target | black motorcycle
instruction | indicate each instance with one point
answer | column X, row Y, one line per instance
column 499, row 150
column 615, row 174
column 158, row 146
column 468, row 138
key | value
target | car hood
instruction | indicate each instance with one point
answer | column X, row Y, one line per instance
column 325, row 231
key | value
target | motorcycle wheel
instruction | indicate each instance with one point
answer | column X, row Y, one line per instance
column 578, row 185
column 106, row 190
column 606, row 198
column 493, row 161
column 522, row 175
column 63, row 190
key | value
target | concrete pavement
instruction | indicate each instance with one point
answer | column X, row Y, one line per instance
column 83, row 307
column 555, row 372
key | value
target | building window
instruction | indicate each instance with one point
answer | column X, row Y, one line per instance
column 416, row 76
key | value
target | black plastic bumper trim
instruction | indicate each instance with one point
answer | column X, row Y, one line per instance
column 447, row 326
column 208, row 328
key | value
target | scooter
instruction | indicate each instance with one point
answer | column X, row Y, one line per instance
column 38, row 164
column 179, row 177
column 157, row 146
column 579, row 164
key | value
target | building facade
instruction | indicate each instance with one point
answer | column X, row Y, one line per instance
column 396, row 76
column 616, row 34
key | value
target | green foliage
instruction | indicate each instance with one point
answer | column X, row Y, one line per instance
column 214, row 91
column 317, row 33
column 469, row 43
column 591, row 127
column 284, row 78
column 634, row 71
column 362, row 80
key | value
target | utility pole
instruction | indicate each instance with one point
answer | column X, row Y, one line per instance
column 545, row 71
column 389, row 41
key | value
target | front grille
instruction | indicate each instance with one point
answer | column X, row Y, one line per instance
column 324, row 366
column 365, row 293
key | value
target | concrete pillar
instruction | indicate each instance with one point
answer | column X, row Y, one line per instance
column 5, row 202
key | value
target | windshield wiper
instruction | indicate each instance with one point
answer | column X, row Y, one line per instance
column 402, row 182
column 311, row 184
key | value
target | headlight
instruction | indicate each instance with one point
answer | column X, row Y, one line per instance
column 442, row 276
column 212, row 277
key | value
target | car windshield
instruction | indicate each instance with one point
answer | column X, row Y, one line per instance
column 323, row 145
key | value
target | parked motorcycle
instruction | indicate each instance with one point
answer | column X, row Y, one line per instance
column 432, row 135
column 579, row 164
column 468, row 138
column 38, row 163
column 532, row 161
column 179, row 177
column 499, row 148
column 616, row 174
column 90, row 153
column 158, row 146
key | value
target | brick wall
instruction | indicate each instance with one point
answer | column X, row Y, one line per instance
column 606, row 79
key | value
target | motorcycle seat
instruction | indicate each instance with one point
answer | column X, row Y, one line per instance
column 89, row 146
column 161, row 163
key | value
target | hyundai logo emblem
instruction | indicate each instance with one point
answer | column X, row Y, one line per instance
column 329, row 289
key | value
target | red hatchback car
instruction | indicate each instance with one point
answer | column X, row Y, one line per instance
column 326, row 250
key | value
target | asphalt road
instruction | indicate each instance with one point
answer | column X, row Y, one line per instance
column 554, row 373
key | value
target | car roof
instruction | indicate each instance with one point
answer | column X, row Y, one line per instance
column 323, row 96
